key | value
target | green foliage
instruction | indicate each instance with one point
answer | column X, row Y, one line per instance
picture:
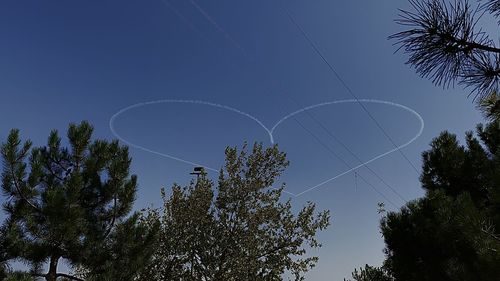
column 4, row 257
column 238, row 229
column 370, row 273
column 490, row 107
column 451, row 233
column 19, row 276
column 126, row 252
column 72, row 203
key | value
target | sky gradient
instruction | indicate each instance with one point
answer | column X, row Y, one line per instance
column 67, row 61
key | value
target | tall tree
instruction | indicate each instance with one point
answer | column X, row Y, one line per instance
column 240, row 229
column 452, row 233
column 445, row 44
column 72, row 204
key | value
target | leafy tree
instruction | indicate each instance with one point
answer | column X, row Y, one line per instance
column 72, row 204
column 445, row 44
column 237, row 230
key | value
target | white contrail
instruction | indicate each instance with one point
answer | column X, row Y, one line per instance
column 422, row 125
column 142, row 104
column 270, row 132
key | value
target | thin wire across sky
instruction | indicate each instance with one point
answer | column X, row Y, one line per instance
column 349, row 90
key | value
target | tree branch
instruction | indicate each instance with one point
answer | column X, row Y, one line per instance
column 468, row 45
column 58, row 162
column 113, row 220
column 18, row 188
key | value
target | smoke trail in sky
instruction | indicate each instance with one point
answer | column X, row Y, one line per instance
column 270, row 132
column 142, row 104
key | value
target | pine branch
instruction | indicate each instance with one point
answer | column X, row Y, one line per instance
column 466, row 46
column 444, row 45
column 19, row 191
column 113, row 220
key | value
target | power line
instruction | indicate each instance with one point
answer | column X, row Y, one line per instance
column 344, row 84
column 234, row 43
column 355, row 181
column 354, row 155
column 343, row 161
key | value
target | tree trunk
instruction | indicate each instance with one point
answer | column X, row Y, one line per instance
column 52, row 274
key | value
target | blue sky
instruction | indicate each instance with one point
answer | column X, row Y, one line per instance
column 67, row 61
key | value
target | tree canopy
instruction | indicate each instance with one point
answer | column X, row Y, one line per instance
column 72, row 203
column 237, row 229
column 451, row 233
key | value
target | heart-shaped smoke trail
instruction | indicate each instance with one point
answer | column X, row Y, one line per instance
column 269, row 131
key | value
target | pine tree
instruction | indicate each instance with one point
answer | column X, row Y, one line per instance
column 72, row 204
column 239, row 229
column 452, row 233
column 445, row 44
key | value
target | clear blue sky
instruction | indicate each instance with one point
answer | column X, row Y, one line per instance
column 67, row 61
